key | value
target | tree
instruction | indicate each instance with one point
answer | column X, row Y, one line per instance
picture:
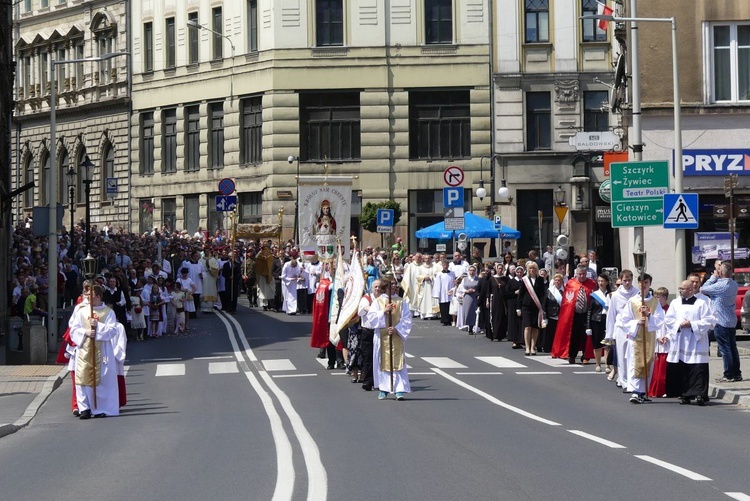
column 368, row 218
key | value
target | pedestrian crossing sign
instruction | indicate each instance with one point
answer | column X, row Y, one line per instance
column 681, row 211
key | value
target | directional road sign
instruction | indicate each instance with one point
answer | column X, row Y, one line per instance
column 226, row 186
column 638, row 189
column 226, row 203
column 453, row 197
column 453, row 176
column 384, row 220
column 681, row 211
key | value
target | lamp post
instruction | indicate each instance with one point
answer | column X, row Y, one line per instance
column 53, row 191
column 71, row 174
column 87, row 165
column 291, row 159
column 680, row 259
column 195, row 24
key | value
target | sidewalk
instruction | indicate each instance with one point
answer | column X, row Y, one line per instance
column 25, row 388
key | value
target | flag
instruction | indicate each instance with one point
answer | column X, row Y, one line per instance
column 603, row 10
column 354, row 287
column 336, row 286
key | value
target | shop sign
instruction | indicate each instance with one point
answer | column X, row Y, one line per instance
column 715, row 162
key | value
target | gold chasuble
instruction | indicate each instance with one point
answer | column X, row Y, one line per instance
column 88, row 372
column 643, row 363
column 385, row 341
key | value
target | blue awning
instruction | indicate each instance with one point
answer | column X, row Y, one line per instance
column 475, row 227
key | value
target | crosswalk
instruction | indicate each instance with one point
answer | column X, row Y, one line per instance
column 285, row 368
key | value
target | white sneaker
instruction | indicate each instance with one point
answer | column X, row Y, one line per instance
column 598, row 368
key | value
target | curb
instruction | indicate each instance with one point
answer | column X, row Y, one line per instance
column 53, row 383
column 728, row 396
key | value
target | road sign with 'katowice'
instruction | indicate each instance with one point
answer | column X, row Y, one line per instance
column 638, row 190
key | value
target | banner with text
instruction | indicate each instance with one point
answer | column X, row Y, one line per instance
column 324, row 215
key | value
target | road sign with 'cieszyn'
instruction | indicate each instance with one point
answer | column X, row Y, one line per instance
column 638, row 190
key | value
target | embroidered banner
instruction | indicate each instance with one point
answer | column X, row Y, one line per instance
column 324, row 215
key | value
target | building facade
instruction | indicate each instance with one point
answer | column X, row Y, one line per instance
column 390, row 93
column 551, row 82
column 92, row 106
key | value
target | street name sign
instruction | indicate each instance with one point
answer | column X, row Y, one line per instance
column 638, row 190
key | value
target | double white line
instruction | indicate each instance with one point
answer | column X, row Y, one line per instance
column 317, row 478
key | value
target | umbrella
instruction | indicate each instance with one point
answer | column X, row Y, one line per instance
column 474, row 227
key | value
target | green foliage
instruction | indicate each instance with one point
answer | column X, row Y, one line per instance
column 368, row 218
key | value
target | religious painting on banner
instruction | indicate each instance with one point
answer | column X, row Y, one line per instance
column 324, row 215
column 354, row 287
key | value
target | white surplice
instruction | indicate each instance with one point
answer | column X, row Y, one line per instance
column 618, row 301
column 376, row 319
column 289, row 276
column 630, row 325
column 688, row 344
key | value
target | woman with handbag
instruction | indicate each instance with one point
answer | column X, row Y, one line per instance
column 530, row 306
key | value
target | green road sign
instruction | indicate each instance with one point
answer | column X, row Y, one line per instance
column 638, row 190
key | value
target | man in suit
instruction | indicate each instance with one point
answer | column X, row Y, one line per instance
column 594, row 263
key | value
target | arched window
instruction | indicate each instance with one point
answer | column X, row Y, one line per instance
column 45, row 180
column 28, row 197
column 108, row 167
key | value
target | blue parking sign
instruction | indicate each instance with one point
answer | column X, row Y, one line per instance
column 453, row 197
column 384, row 220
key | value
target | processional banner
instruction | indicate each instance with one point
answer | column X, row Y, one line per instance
column 324, row 215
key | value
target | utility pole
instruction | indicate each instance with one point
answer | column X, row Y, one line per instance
column 730, row 183
column 7, row 76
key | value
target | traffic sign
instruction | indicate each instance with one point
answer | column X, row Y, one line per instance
column 498, row 222
column 453, row 197
column 111, row 183
column 453, row 212
column 681, row 211
column 638, row 189
column 453, row 176
column 561, row 211
column 455, row 223
column 384, row 220
column 226, row 186
column 226, row 203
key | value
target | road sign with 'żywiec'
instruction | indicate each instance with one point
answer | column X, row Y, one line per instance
column 638, row 190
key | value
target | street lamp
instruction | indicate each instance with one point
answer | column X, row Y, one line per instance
column 680, row 262
column 481, row 191
column 71, row 174
column 88, row 175
column 54, row 187
column 192, row 23
column 291, row 159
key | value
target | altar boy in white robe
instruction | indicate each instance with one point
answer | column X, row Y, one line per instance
column 687, row 323
column 97, row 369
column 390, row 340
column 290, row 277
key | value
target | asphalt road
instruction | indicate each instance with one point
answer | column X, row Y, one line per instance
column 242, row 409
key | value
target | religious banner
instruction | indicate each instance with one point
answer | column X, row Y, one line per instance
column 324, row 215
column 354, row 287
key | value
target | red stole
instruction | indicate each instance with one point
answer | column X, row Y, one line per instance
column 561, row 345
column 320, row 324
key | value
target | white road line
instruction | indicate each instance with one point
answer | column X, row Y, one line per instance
column 161, row 359
column 223, row 368
column 323, row 361
column 170, row 370
column 596, row 439
column 479, row 373
column 284, row 465
column 494, row 400
column 501, row 362
column 739, row 496
column 430, row 373
column 408, row 355
column 444, row 363
column 537, row 373
column 590, row 372
column 292, row 375
column 217, row 357
column 317, row 487
column 555, row 362
column 125, row 370
column 281, row 364
column 677, row 469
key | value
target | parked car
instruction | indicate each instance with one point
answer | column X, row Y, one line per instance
column 742, row 277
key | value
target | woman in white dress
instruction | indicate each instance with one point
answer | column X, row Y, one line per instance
column 188, row 286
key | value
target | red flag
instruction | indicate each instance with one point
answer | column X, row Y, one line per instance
column 603, row 10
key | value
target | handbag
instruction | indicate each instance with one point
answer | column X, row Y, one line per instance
column 542, row 317
column 137, row 309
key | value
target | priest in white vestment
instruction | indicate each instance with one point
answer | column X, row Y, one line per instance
column 427, row 305
column 386, row 339
column 686, row 327
column 99, row 365
column 210, row 293
column 290, row 277
column 615, row 335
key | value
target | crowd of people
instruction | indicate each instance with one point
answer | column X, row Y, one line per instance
column 155, row 283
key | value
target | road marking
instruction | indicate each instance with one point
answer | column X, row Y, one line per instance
column 444, row 363
column 739, row 496
column 555, row 362
column 161, row 359
column 125, row 370
column 282, row 364
column 284, row 465
column 501, row 362
column 537, row 373
column 323, row 362
column 479, row 373
column 409, row 355
column 430, row 373
column 494, row 400
column 292, row 375
column 590, row 372
column 677, row 469
column 217, row 357
column 598, row 440
column 170, row 370
column 317, row 486
column 223, row 368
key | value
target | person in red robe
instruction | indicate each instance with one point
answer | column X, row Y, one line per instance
column 320, row 323
column 658, row 385
column 570, row 335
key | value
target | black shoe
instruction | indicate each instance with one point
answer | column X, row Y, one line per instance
column 101, row 415
column 737, row 379
column 684, row 401
column 76, row 413
column 340, row 365
column 367, row 387
column 700, row 401
column 322, row 353
column 330, row 367
column 572, row 360
column 85, row 414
